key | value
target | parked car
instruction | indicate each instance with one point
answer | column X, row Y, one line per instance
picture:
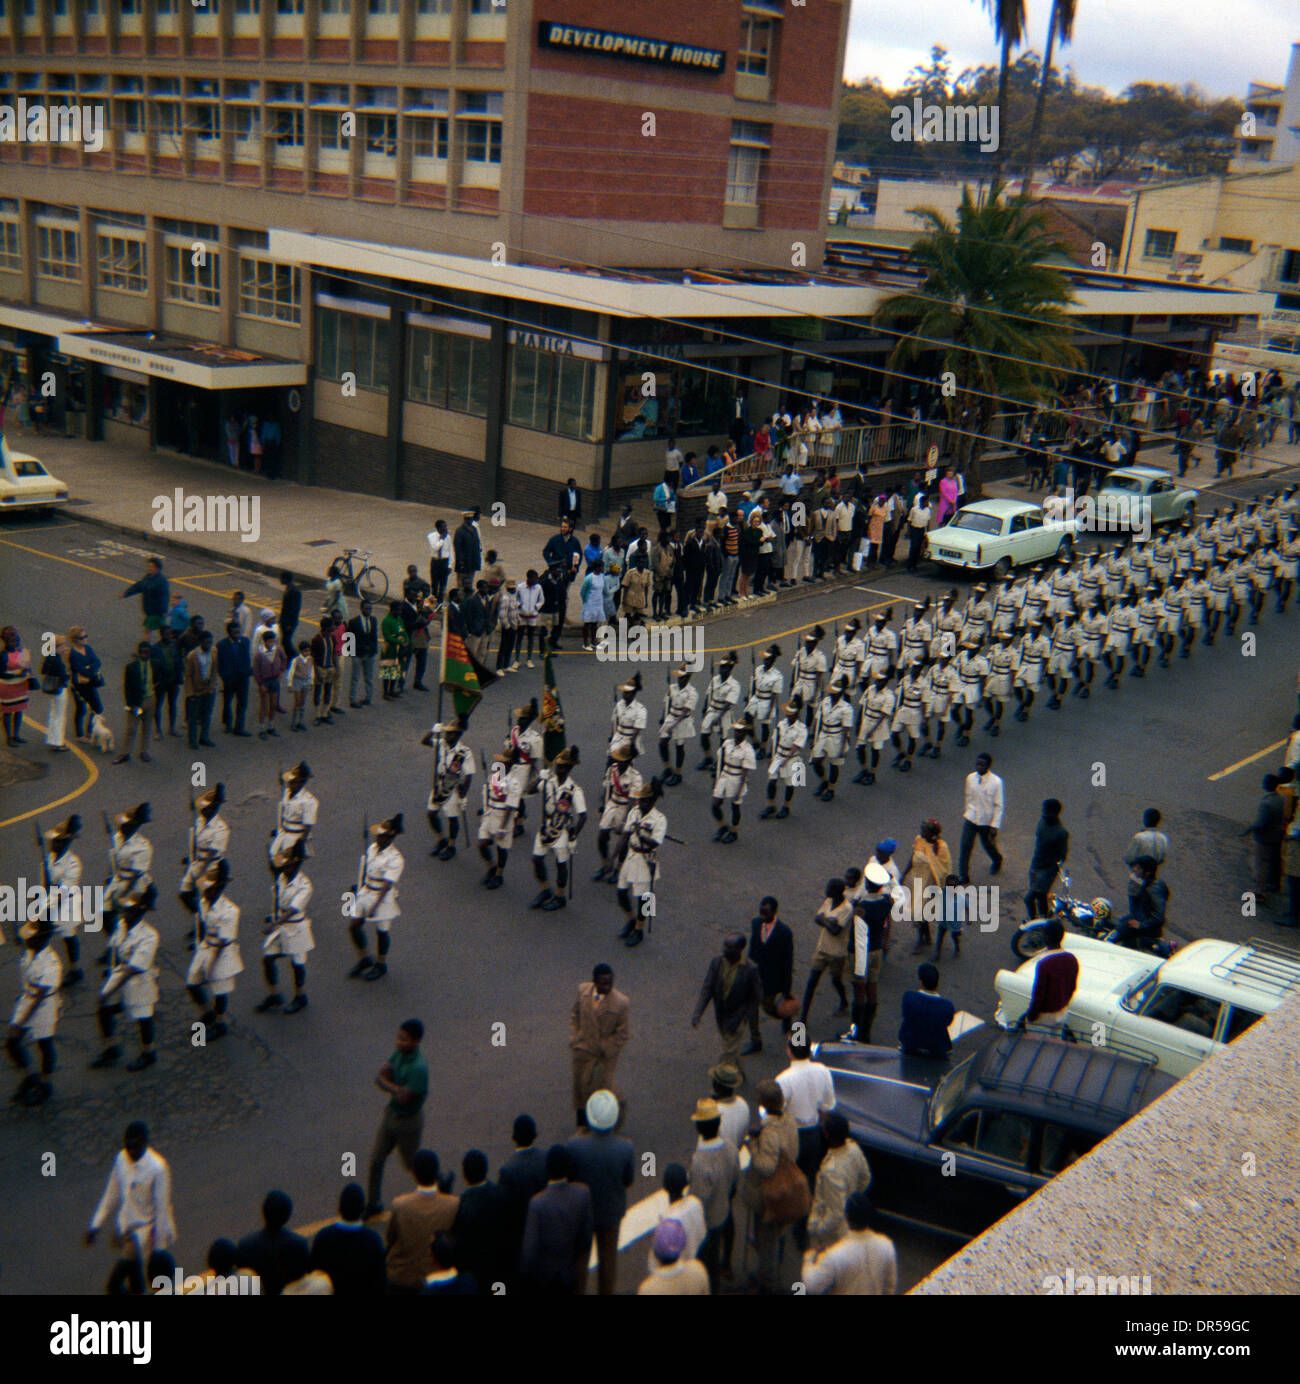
column 957, row 1143
column 999, row 534
column 1169, row 502
column 1177, row 1011
column 25, row 483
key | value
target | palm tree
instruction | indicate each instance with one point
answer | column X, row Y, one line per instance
column 992, row 310
column 1009, row 24
column 1062, row 22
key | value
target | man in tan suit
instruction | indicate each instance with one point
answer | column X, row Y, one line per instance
column 413, row 1221
column 598, row 1034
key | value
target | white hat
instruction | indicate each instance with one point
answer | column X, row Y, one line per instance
column 876, row 873
column 602, row 1110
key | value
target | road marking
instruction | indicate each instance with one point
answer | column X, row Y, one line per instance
column 67, row 798
column 783, row 634
column 1241, row 763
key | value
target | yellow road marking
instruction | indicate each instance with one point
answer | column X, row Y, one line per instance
column 67, row 798
column 1241, row 763
column 826, row 619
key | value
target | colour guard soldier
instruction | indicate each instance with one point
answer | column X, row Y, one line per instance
column 289, row 936
column 765, row 689
column 972, row 668
column 376, row 899
column 619, row 788
column 808, row 672
column 501, row 801
column 677, row 727
column 564, row 813
column 1003, row 663
column 524, row 743
column 296, row 814
column 875, row 726
column 831, row 738
column 209, row 841
column 132, row 983
column 736, row 761
column 216, row 961
column 720, row 702
column 629, row 717
column 64, row 871
column 850, row 655
column 788, row 741
column 1031, row 668
column 453, row 773
column 36, row 1015
column 130, row 858
column 644, row 832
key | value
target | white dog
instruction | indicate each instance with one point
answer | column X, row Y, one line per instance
column 100, row 735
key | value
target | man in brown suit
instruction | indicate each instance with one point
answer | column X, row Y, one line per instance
column 413, row 1221
column 201, row 682
column 598, row 1033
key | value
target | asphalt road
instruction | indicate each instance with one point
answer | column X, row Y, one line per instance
column 284, row 1101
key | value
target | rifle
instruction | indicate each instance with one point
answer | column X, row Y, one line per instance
column 365, row 847
column 194, row 867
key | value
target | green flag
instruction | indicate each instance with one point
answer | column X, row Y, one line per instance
column 462, row 674
column 553, row 738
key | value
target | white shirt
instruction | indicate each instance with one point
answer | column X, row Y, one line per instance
column 860, row 1264
column 983, row 800
column 734, row 1115
column 716, row 503
column 139, row 1195
column 809, row 1090
column 440, row 545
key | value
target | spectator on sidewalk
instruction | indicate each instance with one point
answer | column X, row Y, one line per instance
column 349, row 1251
column 168, row 676
column 558, row 1230
column 1056, row 975
column 714, row 1177
column 269, row 666
column 446, row 1278
column 638, row 589
column 1051, row 847
column 364, row 629
column 571, row 503
column 290, row 609
column 440, row 557
column 841, row 1174
column 771, row 949
column 531, row 600
column 405, row 1078
column 862, row 1263
column 522, row 1176
column 480, row 1231
column 201, row 680
column 733, row 987
column 277, row 1255
column 604, row 1161
column 674, row 1270
column 1267, row 832
column 926, row 1017
column 476, row 613
column 508, row 621
column 563, row 556
column 415, row 1218
column 467, row 551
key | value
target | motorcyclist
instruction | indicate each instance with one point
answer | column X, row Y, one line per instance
column 1148, row 901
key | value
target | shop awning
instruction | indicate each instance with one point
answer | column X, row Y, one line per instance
column 181, row 359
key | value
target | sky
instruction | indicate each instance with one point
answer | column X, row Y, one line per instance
column 1116, row 42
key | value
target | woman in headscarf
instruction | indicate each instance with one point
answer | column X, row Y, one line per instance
column 929, row 866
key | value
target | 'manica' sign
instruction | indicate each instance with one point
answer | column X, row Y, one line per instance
column 614, row 45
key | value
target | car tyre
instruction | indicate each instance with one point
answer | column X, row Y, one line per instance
column 1029, row 940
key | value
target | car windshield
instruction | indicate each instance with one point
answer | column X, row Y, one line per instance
column 29, row 468
column 949, row 1092
column 1130, row 485
column 976, row 522
column 1141, row 993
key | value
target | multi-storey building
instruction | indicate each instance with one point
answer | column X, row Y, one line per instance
column 1272, row 137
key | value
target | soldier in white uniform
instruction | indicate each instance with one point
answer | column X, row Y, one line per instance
column 501, row 800
column 130, row 856
column 736, row 761
column 1003, row 663
column 720, row 701
column 524, row 743
column 831, row 738
column 977, row 619
column 296, row 814
column 288, row 932
column 1092, row 581
column 808, row 672
column 132, row 983
column 1064, row 582
column 1007, row 602
column 1038, row 599
column 875, row 725
column 1090, row 630
column 564, row 813
column 453, row 773
column 1035, row 649
column 1140, row 563
column 941, row 684
column 1148, row 625
column 216, row 961
column 677, row 725
column 209, row 841
column 765, row 690
column 1060, row 662
column 918, row 631
column 909, row 716
column 376, row 899
column 1121, row 624
column 849, row 655
column 619, row 788
column 1288, row 566
column 1171, row 620
column 64, row 871
column 972, row 668
column 644, row 832
column 629, row 717
column 1263, row 573
column 1163, row 552
column 36, row 1015
column 1196, row 600
column 1119, row 569
column 882, row 650
column 1220, row 599
column 947, row 627
column 787, row 766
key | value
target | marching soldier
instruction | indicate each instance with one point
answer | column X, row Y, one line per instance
column 209, row 840
column 942, row 682
column 1090, row 630
column 1288, row 566
column 978, row 618
column 1038, row 599
column 788, row 740
column 453, row 772
column 1171, row 620
column 720, row 701
column 908, row 714
column 629, row 717
column 564, row 813
column 1239, row 577
column 296, row 814
column 36, row 1015
column 851, row 653
column 132, row 983
column 1164, row 551
column 130, row 855
column 882, row 649
column 644, row 832
column 216, row 961
column 1003, row 662
column 808, row 672
column 619, row 787
column 501, row 802
column 1140, row 563
column 1263, row 572
column 765, row 689
column 1035, row 650
column 875, row 725
column 1196, row 597
column 1092, row 581
column 64, row 869
column 1121, row 623
column 1206, row 551
column 376, row 900
column 676, row 728
column 1007, row 602
column 1185, row 548
column 1220, row 599
column 1144, row 637
column 917, row 634
column 1119, row 569
column 1064, row 582
column 972, row 668
column 831, row 738
column 736, row 761
column 947, row 627
column 289, row 935
column 1060, row 662
column 524, row 744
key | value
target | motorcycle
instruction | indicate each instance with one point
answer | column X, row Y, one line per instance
column 1093, row 918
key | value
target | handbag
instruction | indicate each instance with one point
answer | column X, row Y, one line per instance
column 786, row 1194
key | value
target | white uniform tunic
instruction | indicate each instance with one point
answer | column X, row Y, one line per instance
column 1171, row 610
column 807, row 672
column 911, row 704
column 453, row 767
column 972, row 668
column 735, row 763
column 1002, row 671
column 134, row 953
column 720, row 702
column 1006, row 609
column 1148, row 611
column 1038, row 599
column 528, row 743
column 947, row 633
column 917, row 634
column 292, row 935
column 295, row 817
column 1262, row 568
column 882, row 653
column 501, row 795
column 139, row 1198
column 216, row 960
column 1118, row 571
column 621, row 784
column 1035, row 650
column 626, row 721
column 1091, row 629
column 562, row 805
column 382, row 867
column 834, row 726
column 1120, row 624
column 788, row 740
column 41, row 974
column 65, row 873
column 679, row 714
column 942, row 682
column 977, row 623
column 645, row 834
column 1065, row 586
column 765, row 694
column 132, row 860
column 877, row 707
column 1092, row 583
column 211, row 838
column 1220, row 589
column 849, row 657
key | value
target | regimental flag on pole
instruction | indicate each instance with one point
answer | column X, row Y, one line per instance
column 462, row 674
column 554, row 738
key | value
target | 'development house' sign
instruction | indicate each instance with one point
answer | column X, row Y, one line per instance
column 614, row 45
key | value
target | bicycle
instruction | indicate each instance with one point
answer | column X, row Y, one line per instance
column 369, row 583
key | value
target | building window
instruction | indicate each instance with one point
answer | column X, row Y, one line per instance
column 184, row 281
column 352, row 344
column 433, row 6
column 1235, row 244
column 270, row 290
column 426, row 366
column 122, row 264
column 430, row 137
column 58, row 252
column 552, row 392
column 447, row 371
column 749, row 142
column 1160, row 244
column 245, row 124
column 380, row 132
column 286, row 125
column 336, row 6
column 480, row 126
column 288, row 6
column 10, row 257
column 755, row 51
column 329, row 130
column 383, row 6
column 531, row 376
column 575, row 395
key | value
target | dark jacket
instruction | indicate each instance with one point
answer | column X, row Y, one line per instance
column 522, row 1176
column 276, row 1256
column 557, row 1236
column 736, row 1008
column 367, row 639
column 606, row 1163
column 353, row 1256
column 560, row 552
column 234, row 659
column 290, row 606
column 924, row 1030
column 693, row 556
column 570, row 509
column 474, row 613
column 481, row 1231
column 134, row 687
column 774, row 958
column 1269, row 826
column 467, row 549
column 1051, row 846
column 154, row 591
column 168, row 665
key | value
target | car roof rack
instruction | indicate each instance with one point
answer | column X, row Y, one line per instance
column 1261, row 964
column 1024, row 1064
